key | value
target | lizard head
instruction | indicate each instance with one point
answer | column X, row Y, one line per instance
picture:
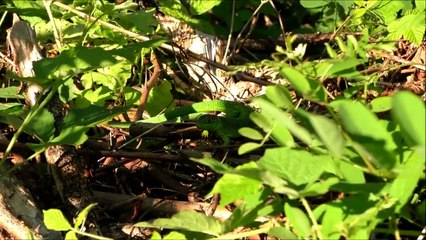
column 209, row 122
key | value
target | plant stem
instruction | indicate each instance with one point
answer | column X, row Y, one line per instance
column 244, row 234
column 312, row 217
column 33, row 112
column 94, row 236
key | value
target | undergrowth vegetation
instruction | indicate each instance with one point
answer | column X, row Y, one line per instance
column 342, row 151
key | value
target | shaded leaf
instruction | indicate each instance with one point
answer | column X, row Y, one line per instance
column 373, row 138
column 73, row 61
column 42, row 125
column 327, row 131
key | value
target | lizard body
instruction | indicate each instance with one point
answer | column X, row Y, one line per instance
column 231, row 109
column 237, row 115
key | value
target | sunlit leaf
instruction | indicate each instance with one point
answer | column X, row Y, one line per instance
column 295, row 166
column 409, row 111
column 83, row 215
column 298, row 219
column 233, row 187
column 54, row 219
column 248, row 147
column 381, row 104
column 189, row 221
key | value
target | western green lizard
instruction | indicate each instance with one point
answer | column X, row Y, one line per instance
column 236, row 116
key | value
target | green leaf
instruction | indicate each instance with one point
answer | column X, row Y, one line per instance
column 279, row 132
column 339, row 68
column 42, row 125
column 313, row 3
column 213, row 164
column 248, row 147
column 198, row 7
column 349, row 172
column 90, row 116
column 187, row 221
column 71, row 236
column 73, row 61
column 281, row 233
column 409, row 111
column 134, row 19
column 375, row 142
column 283, row 121
column 327, row 131
column 409, row 174
column 331, row 220
column 5, row 106
column 381, row 104
column 297, row 80
column 115, row 76
column 233, row 187
column 155, row 235
column 159, row 99
column 74, row 135
column 410, row 26
column 331, row 52
column 420, row 5
column 66, row 90
column 278, row 184
column 279, row 96
column 176, row 9
column 252, row 207
column 250, row 133
column 132, row 51
column 83, row 215
column 171, row 236
column 93, row 97
column 295, row 166
column 298, row 220
column 318, row 188
column 11, row 92
column 54, row 219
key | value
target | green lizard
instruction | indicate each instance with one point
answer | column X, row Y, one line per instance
column 237, row 116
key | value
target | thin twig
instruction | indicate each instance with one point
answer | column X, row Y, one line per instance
column 147, row 87
column 231, row 29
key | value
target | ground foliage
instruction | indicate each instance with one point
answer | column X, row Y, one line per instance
column 344, row 157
